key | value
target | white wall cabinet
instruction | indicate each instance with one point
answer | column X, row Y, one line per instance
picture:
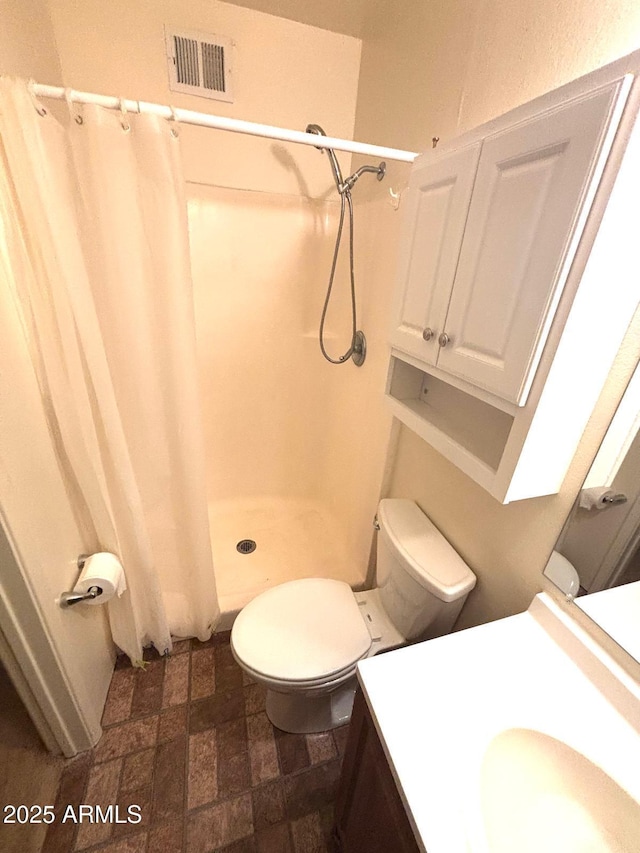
column 438, row 204
column 493, row 232
column 498, row 345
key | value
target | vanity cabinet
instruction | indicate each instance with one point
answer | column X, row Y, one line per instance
column 494, row 329
column 369, row 814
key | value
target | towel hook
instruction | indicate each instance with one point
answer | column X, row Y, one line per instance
column 395, row 198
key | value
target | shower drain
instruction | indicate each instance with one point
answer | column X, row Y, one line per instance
column 246, row 546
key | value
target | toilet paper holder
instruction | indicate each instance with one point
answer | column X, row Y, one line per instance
column 615, row 499
column 68, row 599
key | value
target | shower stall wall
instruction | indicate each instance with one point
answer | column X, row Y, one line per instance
column 289, row 464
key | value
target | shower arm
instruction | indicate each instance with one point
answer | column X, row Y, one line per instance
column 350, row 181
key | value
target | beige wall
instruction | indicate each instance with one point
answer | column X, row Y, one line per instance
column 27, row 44
column 285, row 74
column 439, row 69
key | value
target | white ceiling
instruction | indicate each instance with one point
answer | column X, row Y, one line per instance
column 339, row 16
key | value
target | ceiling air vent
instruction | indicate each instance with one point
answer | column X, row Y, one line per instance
column 200, row 64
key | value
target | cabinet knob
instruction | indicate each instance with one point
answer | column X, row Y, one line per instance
column 427, row 334
column 444, row 339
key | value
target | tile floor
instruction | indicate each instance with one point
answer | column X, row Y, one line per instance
column 187, row 739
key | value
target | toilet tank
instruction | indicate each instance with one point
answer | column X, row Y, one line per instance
column 423, row 582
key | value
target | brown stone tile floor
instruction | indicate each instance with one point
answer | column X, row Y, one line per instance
column 188, row 741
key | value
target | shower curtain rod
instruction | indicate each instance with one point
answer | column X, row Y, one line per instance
column 222, row 123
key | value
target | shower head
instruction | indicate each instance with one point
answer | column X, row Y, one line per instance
column 315, row 128
column 335, row 166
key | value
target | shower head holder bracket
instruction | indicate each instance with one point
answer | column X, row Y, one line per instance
column 359, row 349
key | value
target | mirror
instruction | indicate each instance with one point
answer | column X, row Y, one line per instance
column 601, row 538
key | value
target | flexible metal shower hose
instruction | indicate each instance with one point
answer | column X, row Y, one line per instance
column 350, row 351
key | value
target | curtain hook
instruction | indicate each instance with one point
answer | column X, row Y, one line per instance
column 126, row 126
column 36, row 104
column 69, row 99
column 173, row 120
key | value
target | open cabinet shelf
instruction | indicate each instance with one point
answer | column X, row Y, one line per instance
column 447, row 416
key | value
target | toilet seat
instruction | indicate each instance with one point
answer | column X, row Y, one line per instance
column 305, row 633
column 313, row 685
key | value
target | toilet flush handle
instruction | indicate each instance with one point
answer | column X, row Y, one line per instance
column 376, row 523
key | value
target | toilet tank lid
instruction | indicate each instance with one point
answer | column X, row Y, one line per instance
column 429, row 558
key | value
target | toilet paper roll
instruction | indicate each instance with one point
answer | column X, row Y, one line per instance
column 105, row 571
column 595, row 498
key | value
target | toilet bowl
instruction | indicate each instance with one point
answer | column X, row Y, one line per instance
column 303, row 639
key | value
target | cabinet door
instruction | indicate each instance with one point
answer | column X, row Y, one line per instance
column 435, row 216
column 369, row 814
column 532, row 192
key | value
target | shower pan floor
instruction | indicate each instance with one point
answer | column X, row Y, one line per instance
column 294, row 539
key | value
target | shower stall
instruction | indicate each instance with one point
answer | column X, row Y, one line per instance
column 295, row 445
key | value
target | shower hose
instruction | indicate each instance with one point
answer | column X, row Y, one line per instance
column 347, row 355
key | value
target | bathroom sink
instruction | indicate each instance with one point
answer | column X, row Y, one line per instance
column 539, row 794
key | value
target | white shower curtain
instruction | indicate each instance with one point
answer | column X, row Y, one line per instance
column 94, row 251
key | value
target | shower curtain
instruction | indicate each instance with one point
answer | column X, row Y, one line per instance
column 94, row 252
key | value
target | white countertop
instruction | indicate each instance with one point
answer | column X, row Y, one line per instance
column 617, row 611
column 437, row 705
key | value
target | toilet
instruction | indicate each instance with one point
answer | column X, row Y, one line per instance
column 303, row 639
column 563, row 574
